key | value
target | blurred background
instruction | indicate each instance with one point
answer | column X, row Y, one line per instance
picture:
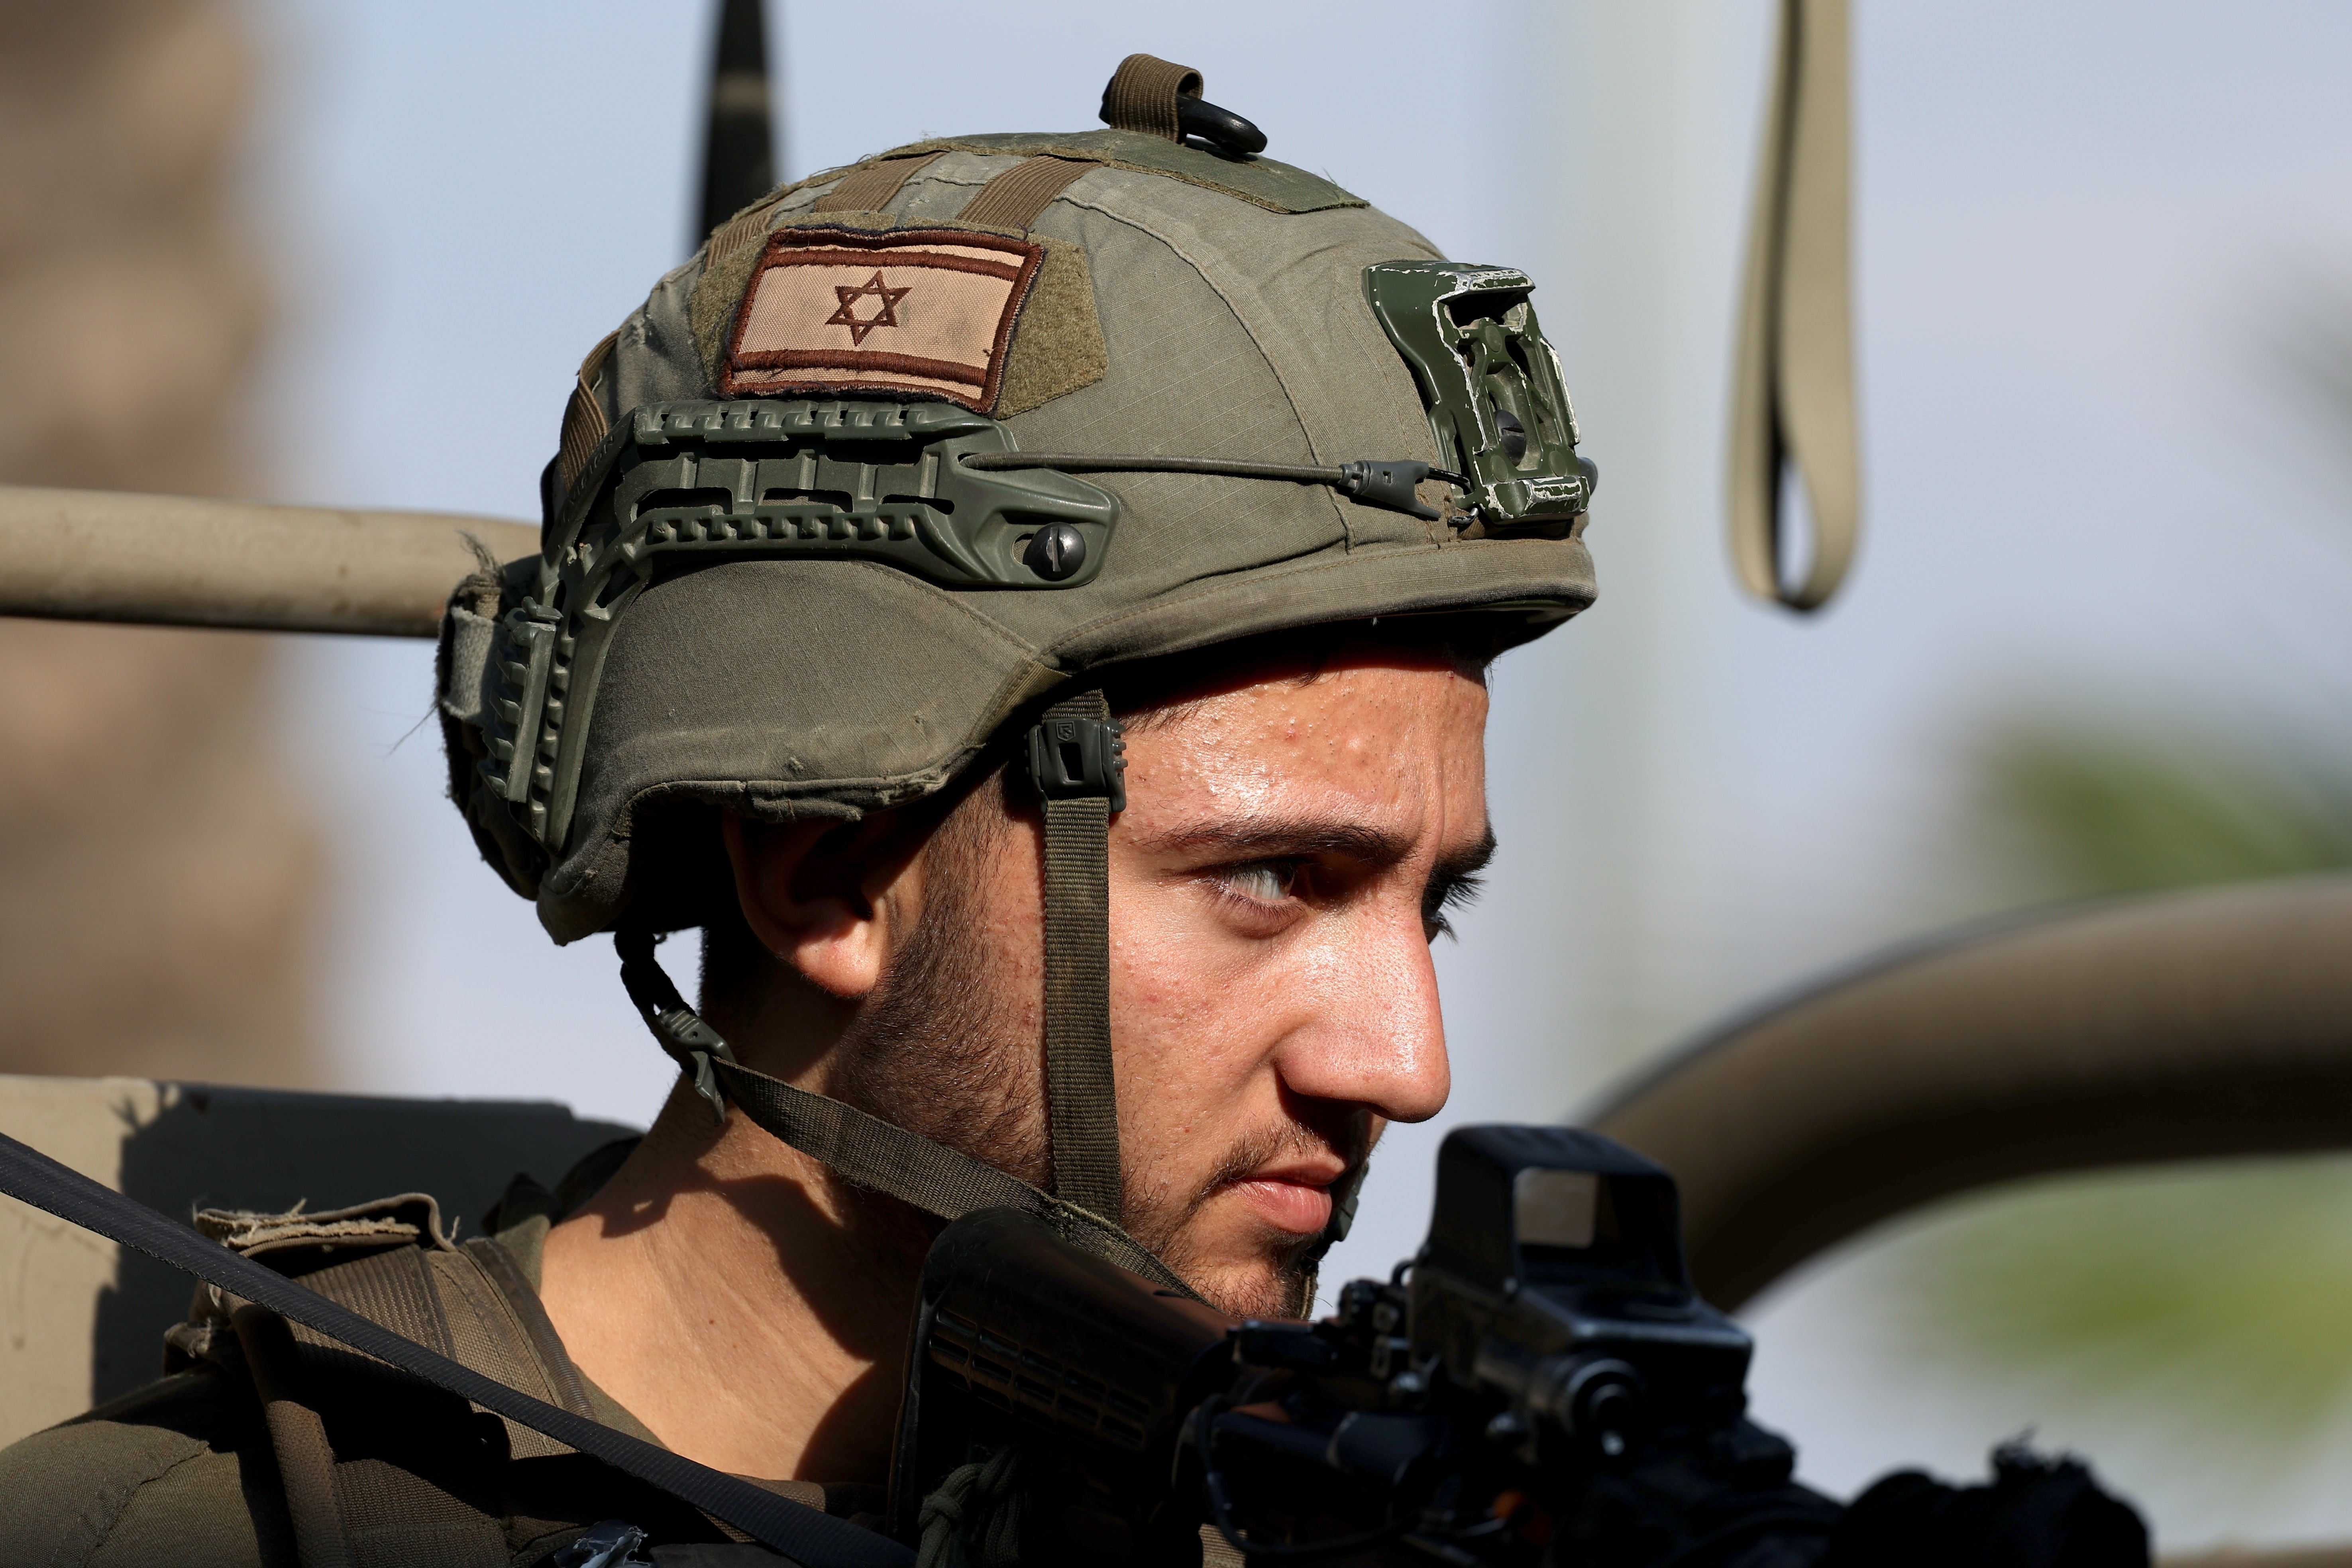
column 2095, row 642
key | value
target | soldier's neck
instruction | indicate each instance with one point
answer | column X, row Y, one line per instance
column 745, row 1304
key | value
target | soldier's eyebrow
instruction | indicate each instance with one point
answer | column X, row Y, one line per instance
column 1453, row 878
column 1268, row 838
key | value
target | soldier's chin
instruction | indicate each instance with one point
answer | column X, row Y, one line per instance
column 1275, row 1279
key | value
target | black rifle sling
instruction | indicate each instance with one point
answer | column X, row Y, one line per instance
column 815, row 1539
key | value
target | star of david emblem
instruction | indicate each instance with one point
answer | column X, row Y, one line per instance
column 847, row 316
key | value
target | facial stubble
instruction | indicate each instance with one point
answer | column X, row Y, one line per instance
column 950, row 1048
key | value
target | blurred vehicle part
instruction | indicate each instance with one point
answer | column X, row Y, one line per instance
column 157, row 880
column 2175, row 1026
column 1792, row 394
column 81, row 1321
column 739, row 133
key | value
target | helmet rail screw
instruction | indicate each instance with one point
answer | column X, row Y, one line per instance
column 1056, row 550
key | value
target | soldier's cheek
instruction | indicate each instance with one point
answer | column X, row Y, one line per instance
column 1197, row 1018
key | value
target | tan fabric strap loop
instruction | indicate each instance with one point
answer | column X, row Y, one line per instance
column 422, row 1497
column 869, row 187
column 1142, row 96
column 584, row 423
column 1014, row 198
column 736, row 233
column 1793, row 393
column 305, row 1462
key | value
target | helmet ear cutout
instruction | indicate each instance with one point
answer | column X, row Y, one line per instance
column 1076, row 763
column 867, row 1151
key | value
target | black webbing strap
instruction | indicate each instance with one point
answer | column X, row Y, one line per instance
column 882, row 1157
column 814, row 1538
column 863, row 1149
column 1075, row 761
column 682, row 1032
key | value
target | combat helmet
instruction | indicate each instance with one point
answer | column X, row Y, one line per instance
column 906, row 458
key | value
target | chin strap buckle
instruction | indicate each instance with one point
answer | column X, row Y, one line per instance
column 1072, row 757
column 681, row 1031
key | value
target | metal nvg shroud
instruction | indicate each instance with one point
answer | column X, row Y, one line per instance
column 1498, row 401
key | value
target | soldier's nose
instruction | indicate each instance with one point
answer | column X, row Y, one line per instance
column 1377, row 1038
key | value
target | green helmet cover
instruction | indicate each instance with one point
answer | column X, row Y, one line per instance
column 769, row 582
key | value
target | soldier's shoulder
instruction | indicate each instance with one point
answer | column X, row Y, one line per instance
column 178, row 1472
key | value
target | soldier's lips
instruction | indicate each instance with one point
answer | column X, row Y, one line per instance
column 1297, row 1199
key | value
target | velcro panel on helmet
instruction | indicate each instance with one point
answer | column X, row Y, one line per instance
column 1260, row 182
column 895, row 312
column 853, row 303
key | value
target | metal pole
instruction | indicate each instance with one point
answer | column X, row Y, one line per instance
column 99, row 555
column 739, row 146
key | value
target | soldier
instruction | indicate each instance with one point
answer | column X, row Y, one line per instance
column 1026, row 600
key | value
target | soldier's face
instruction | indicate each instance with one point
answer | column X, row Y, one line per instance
column 1284, row 862
column 1286, row 851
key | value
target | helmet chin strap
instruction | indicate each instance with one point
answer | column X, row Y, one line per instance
column 863, row 1149
column 1077, row 763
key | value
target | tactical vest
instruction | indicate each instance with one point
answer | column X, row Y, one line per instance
column 382, row 1470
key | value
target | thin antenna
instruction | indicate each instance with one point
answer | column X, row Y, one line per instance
column 739, row 147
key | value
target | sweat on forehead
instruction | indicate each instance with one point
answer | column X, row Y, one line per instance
column 1165, row 690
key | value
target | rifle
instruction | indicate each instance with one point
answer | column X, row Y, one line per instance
column 1537, row 1386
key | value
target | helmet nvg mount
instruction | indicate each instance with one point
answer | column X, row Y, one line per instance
column 909, row 455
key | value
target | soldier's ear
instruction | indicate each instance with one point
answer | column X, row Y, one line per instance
column 831, row 899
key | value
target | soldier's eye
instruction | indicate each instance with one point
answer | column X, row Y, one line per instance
column 1268, row 881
